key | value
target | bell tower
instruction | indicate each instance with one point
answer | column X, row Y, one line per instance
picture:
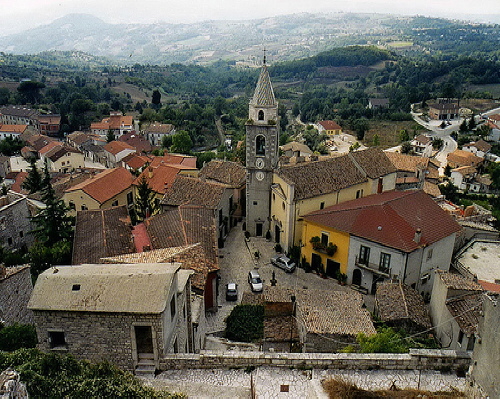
column 262, row 140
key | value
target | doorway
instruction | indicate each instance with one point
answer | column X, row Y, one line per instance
column 258, row 229
column 332, row 268
column 356, row 277
column 316, row 262
column 144, row 339
column 277, row 234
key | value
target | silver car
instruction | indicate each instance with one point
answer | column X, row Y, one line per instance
column 283, row 263
column 255, row 281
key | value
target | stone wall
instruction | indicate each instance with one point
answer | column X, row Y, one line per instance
column 96, row 337
column 15, row 291
column 15, row 222
column 417, row 359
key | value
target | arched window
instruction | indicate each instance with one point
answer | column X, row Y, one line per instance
column 260, row 145
column 261, row 115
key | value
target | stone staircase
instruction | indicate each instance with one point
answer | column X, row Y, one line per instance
column 146, row 365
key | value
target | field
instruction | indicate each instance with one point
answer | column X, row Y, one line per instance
column 388, row 132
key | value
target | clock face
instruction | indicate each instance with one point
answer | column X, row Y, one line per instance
column 259, row 175
column 259, row 163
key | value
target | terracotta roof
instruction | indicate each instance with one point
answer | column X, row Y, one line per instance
column 330, row 125
column 294, row 146
column 40, row 141
column 115, row 147
column 106, row 185
column 332, row 174
column 191, row 190
column 489, row 286
column 373, row 162
column 431, row 189
column 185, row 225
column 19, row 180
column 45, row 149
column 407, row 163
column 232, row 174
column 187, row 161
column 322, row 312
column 79, row 137
column 264, row 95
column 159, row 177
column 495, row 117
column 398, row 302
column 52, row 119
column 466, row 310
column 135, row 161
column 465, row 170
column 13, row 128
column 482, row 145
column 131, row 288
column 137, row 141
column 423, row 139
column 100, row 233
column 464, row 158
column 114, row 122
column 190, row 257
column 456, row 281
column 390, row 218
column 162, row 128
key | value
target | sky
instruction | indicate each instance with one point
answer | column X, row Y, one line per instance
column 19, row 15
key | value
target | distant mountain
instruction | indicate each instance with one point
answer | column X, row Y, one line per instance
column 286, row 37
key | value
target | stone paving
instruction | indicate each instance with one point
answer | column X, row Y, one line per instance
column 274, row 382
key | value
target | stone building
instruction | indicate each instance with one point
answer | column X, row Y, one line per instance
column 15, row 291
column 128, row 314
column 15, row 223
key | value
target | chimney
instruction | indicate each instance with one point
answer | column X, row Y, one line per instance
column 418, row 236
column 150, row 172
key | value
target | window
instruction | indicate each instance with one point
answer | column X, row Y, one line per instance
column 21, row 234
column 72, row 205
column 260, row 145
column 364, row 254
column 115, row 203
column 130, row 198
column 57, row 339
column 9, row 240
column 84, row 207
column 429, row 253
column 460, row 337
column 283, row 205
column 385, row 262
column 172, row 307
column 359, row 193
column 322, row 205
column 324, row 239
column 261, row 115
column 255, row 202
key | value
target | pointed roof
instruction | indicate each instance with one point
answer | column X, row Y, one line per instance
column 264, row 95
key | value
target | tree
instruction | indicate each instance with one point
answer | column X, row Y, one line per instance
column 145, row 204
column 166, row 141
column 405, row 147
column 376, row 140
column 404, row 136
column 463, row 126
column 182, row 143
column 437, row 143
column 472, row 123
column 110, row 136
column 4, row 96
column 360, row 126
column 33, row 181
column 30, row 91
column 52, row 224
column 386, row 340
column 17, row 336
column 156, row 98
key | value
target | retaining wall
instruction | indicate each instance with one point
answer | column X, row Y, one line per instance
column 417, row 359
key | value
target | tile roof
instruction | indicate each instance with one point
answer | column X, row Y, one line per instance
column 19, row 180
column 457, row 281
column 321, row 177
column 101, row 233
column 465, row 170
column 132, row 288
column 295, row 146
column 324, row 312
column 19, row 111
column 330, row 125
column 407, row 163
column 115, row 147
column 390, row 218
column 466, row 310
column 61, row 151
column 481, row 145
column 397, row 302
column 464, row 158
column 264, row 95
column 187, row 161
column 162, row 128
column 191, row 190
column 79, row 137
column 232, row 174
column 190, row 257
column 423, row 139
column 137, row 141
column 52, row 119
column 39, row 141
column 106, row 184
column 114, row 122
column 45, row 149
column 373, row 162
column 159, row 177
column 185, row 225
column 135, row 161
column 13, row 128
column 431, row 189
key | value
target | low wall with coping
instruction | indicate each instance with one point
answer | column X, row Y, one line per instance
column 417, row 359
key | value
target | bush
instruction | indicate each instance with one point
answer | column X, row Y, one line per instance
column 17, row 336
column 245, row 323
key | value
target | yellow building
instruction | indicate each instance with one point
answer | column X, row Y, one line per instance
column 310, row 186
column 329, row 127
column 326, row 247
column 113, row 187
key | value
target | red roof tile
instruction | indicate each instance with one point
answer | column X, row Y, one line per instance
column 330, row 125
column 115, row 147
column 390, row 218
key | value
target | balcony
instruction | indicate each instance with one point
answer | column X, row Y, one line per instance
column 373, row 267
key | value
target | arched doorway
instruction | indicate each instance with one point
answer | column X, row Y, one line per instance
column 277, row 234
column 356, row 277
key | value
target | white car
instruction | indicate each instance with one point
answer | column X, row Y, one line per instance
column 283, row 263
column 255, row 281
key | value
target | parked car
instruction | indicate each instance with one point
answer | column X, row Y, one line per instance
column 231, row 292
column 255, row 281
column 283, row 262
